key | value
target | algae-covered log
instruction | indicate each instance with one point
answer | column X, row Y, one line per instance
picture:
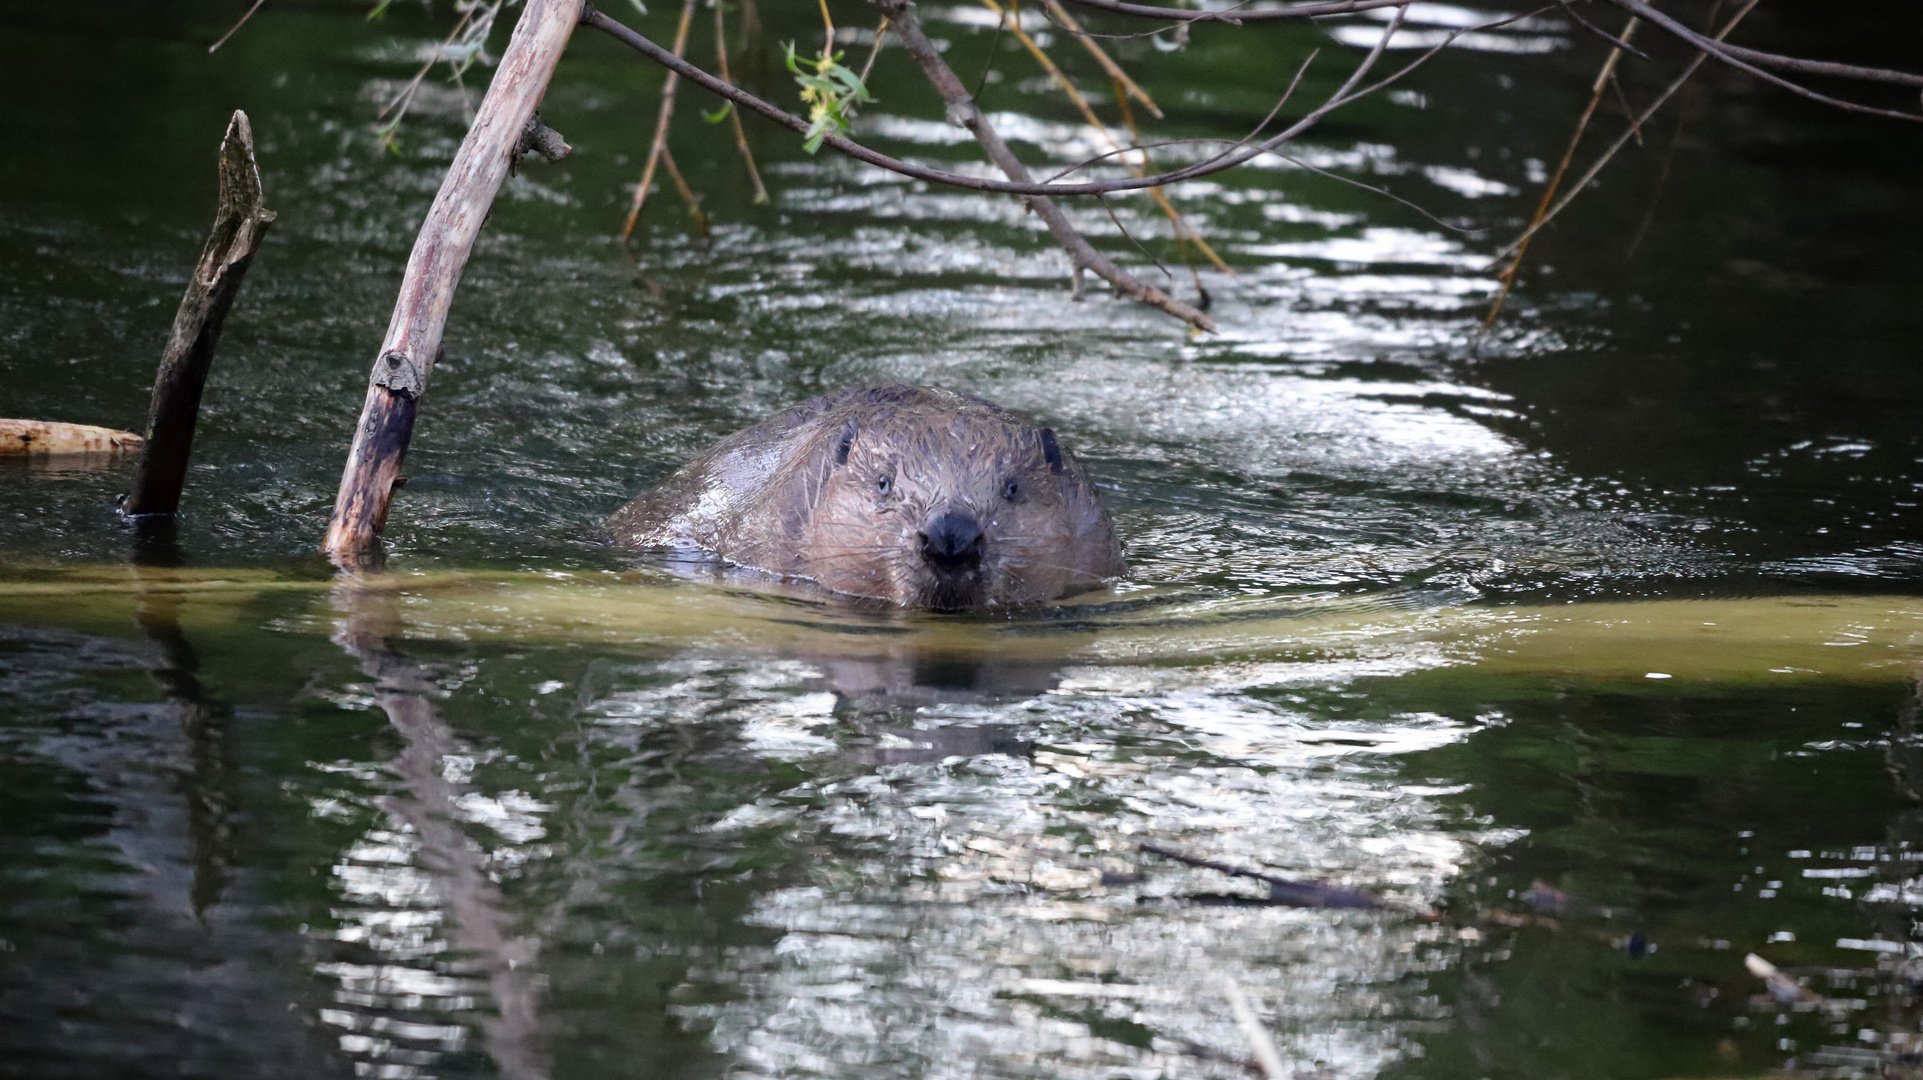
column 1655, row 647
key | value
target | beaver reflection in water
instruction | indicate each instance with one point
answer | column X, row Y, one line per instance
column 926, row 498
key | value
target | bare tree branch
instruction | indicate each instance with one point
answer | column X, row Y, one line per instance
column 1748, row 59
column 848, row 147
column 1235, row 15
column 963, row 111
column 1621, row 140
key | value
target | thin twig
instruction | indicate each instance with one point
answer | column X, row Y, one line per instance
column 660, row 143
column 1101, row 56
column 1747, row 60
column 405, row 98
column 1252, row 1030
column 232, row 30
column 962, row 110
column 874, row 50
column 1235, row 16
column 1237, row 155
column 734, row 114
column 1055, row 74
column 1181, row 239
column 1623, row 139
column 1662, row 180
column 1507, row 278
column 687, row 193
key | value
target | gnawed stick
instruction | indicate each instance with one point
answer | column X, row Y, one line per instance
column 52, row 437
column 662, row 120
column 239, row 225
column 963, row 112
column 413, row 341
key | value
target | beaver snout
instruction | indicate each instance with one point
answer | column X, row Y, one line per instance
column 953, row 543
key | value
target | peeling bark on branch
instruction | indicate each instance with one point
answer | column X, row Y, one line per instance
column 413, row 342
column 52, row 437
column 239, row 226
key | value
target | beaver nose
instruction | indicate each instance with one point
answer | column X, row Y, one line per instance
column 953, row 542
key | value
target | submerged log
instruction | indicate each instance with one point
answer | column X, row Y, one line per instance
column 413, row 342
column 51, row 437
column 239, row 226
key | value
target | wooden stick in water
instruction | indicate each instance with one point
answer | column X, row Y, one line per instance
column 413, row 341
column 52, row 437
column 239, row 225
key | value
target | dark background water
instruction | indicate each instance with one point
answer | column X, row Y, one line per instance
column 715, row 855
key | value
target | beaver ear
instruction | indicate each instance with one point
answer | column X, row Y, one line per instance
column 1051, row 450
column 845, row 444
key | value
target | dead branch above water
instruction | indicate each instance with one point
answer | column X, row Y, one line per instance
column 1240, row 153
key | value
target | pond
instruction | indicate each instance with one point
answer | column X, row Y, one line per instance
column 1558, row 682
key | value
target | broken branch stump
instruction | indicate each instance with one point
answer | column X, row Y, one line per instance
column 413, row 342
column 239, row 226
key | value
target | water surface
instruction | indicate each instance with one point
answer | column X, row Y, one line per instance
column 1587, row 646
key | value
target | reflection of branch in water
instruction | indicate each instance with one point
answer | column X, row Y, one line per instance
column 203, row 783
column 1287, row 892
column 405, row 691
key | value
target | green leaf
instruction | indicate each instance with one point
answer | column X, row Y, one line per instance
column 718, row 115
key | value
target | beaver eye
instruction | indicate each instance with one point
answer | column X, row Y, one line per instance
column 1011, row 490
column 882, row 485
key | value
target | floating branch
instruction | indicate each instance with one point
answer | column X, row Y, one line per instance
column 51, row 437
column 1287, row 892
column 239, row 226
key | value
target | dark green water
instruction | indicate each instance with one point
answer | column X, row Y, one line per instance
column 279, row 831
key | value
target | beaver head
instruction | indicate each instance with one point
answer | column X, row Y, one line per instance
column 925, row 498
column 942, row 501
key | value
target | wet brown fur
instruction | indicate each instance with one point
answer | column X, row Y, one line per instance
column 843, row 490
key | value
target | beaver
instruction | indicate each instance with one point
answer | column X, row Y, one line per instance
column 926, row 498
